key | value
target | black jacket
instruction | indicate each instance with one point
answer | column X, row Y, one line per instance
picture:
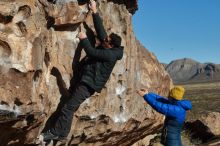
column 100, row 61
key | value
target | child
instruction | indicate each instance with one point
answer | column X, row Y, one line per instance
column 174, row 108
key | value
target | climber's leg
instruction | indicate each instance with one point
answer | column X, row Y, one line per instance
column 64, row 121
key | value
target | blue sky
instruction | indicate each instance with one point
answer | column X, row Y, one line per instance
column 174, row 29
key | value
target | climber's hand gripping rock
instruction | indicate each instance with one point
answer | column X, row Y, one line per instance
column 92, row 6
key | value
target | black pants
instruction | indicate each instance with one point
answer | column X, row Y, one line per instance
column 64, row 120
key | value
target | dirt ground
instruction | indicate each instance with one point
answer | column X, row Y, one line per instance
column 205, row 98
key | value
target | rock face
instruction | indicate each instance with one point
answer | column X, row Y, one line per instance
column 215, row 142
column 40, row 64
column 211, row 120
column 131, row 5
column 188, row 70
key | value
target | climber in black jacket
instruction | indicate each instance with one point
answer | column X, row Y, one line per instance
column 98, row 66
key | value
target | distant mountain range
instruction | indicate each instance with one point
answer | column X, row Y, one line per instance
column 189, row 70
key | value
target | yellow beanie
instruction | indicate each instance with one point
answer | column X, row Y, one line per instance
column 177, row 92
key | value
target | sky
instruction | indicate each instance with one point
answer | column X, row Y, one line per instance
column 175, row 29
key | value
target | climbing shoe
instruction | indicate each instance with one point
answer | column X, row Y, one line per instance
column 47, row 136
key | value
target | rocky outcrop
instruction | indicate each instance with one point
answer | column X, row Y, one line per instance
column 145, row 141
column 206, row 128
column 131, row 5
column 40, row 64
column 188, row 70
column 211, row 120
column 214, row 142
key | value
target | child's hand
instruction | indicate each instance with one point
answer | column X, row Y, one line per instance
column 142, row 92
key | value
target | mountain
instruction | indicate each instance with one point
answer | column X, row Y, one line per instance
column 189, row 70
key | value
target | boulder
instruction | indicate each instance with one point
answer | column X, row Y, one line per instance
column 40, row 64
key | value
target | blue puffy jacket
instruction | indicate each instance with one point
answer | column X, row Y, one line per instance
column 175, row 112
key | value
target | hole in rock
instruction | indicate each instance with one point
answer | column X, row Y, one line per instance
column 83, row 137
column 66, row 27
column 121, row 108
column 52, row 1
column 5, row 48
column 30, row 118
column 50, row 22
column 26, row 9
column 108, row 130
column 85, row 118
column 14, row 70
column 4, row 103
column 47, row 58
column 55, row 72
column 17, row 102
column 22, row 27
column 5, row 19
column 61, row 27
column 37, row 75
column 131, row 5
column 102, row 117
column 82, row 2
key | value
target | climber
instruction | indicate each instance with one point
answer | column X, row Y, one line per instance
column 97, row 68
column 174, row 109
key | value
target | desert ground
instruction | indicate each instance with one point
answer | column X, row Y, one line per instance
column 205, row 98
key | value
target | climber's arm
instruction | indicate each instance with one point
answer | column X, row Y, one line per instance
column 103, row 54
column 98, row 24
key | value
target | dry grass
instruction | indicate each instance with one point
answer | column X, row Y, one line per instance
column 205, row 98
